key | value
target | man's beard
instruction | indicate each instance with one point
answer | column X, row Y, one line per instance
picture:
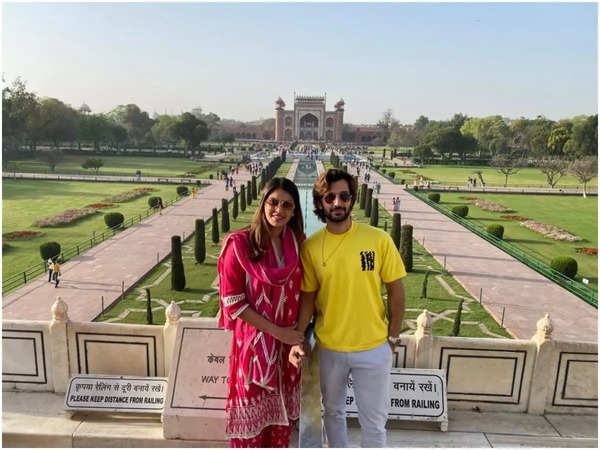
column 338, row 219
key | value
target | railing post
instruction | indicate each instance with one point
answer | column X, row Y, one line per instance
column 58, row 345
column 24, row 277
column 172, row 314
column 544, row 361
column 423, row 341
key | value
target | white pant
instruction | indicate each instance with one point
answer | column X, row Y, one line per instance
column 371, row 377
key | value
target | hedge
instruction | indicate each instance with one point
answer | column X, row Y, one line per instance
column 565, row 265
column 49, row 250
column 182, row 191
column 153, row 202
column 434, row 197
column 496, row 230
column 113, row 219
column 461, row 210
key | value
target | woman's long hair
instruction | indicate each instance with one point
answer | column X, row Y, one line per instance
column 259, row 226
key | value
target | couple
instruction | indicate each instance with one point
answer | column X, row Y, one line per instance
column 272, row 282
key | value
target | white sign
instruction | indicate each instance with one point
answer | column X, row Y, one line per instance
column 415, row 394
column 116, row 393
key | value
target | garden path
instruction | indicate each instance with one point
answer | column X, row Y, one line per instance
column 119, row 261
column 508, row 286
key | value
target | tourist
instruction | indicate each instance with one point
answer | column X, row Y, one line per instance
column 259, row 285
column 345, row 264
column 50, row 265
column 56, row 269
column 378, row 187
column 159, row 206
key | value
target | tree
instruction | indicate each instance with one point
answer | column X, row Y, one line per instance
column 95, row 128
column 396, row 224
column 585, row 170
column 215, row 226
column 177, row 271
column 406, row 248
column 458, row 120
column 249, row 192
column 52, row 158
column 58, row 121
column 199, row 241
column 254, row 189
column 387, row 120
column 553, row 168
column 491, row 133
column 507, row 165
column 368, row 202
column 584, row 137
column 243, row 198
column 93, row 163
column 559, row 135
column 363, row 195
column 163, row 130
column 374, row 213
column 18, row 105
column 234, row 211
column 225, row 215
column 136, row 122
column 191, row 130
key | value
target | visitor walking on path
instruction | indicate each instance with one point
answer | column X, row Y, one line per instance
column 160, row 206
column 345, row 264
column 50, row 265
column 259, row 284
column 56, row 269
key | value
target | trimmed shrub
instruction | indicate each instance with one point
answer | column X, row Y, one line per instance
column 177, row 272
column 496, row 230
column 215, row 226
column 234, row 211
column 243, row 198
column 149, row 318
column 369, row 202
column 254, row 190
column 434, row 197
column 224, row 215
column 406, row 248
column 385, row 225
column 565, row 265
column 49, row 250
column 457, row 318
column 182, row 191
column 113, row 219
column 374, row 213
column 461, row 210
column 363, row 195
column 424, row 286
column 249, row 192
column 392, row 175
column 396, row 223
column 153, row 202
column 200, row 241
column 210, row 176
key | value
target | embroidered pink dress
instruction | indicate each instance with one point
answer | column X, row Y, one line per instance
column 264, row 388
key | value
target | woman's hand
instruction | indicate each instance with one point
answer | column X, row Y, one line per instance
column 289, row 335
column 296, row 355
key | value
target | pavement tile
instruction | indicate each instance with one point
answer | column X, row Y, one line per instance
column 512, row 423
column 425, row 439
column 505, row 440
column 573, row 425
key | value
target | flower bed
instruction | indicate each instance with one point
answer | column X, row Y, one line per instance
column 129, row 195
column 587, row 250
column 513, row 217
column 100, row 205
column 551, row 231
column 65, row 217
column 487, row 205
column 469, row 198
column 21, row 235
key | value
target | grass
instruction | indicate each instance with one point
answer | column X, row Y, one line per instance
column 201, row 288
column 25, row 201
column 457, row 176
column 126, row 166
column 576, row 215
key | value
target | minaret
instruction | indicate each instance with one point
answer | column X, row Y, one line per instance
column 339, row 120
column 279, row 105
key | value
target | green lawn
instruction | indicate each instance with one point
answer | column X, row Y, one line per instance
column 126, row 166
column 457, row 176
column 576, row 215
column 200, row 297
column 26, row 201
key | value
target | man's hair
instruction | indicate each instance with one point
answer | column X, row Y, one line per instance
column 323, row 185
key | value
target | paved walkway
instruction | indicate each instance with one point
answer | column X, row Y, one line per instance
column 509, row 190
column 125, row 258
column 508, row 285
column 106, row 178
column 55, row 427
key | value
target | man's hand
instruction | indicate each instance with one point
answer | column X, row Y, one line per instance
column 296, row 355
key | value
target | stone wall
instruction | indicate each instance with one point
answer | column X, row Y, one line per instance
column 534, row 376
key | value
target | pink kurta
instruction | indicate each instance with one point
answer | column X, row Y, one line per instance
column 264, row 388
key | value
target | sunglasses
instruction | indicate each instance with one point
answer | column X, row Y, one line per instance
column 344, row 196
column 283, row 204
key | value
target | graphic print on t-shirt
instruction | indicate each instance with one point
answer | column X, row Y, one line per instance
column 367, row 260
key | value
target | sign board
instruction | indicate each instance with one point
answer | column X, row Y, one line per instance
column 116, row 393
column 197, row 393
column 415, row 394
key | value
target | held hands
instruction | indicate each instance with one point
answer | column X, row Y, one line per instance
column 289, row 335
column 297, row 353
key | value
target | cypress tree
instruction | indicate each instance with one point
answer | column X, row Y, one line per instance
column 149, row 318
column 234, row 211
column 406, row 250
column 262, row 183
column 375, row 213
column 368, row 202
column 396, row 222
column 363, row 195
column 215, row 226
column 199, row 241
column 385, row 225
column 424, row 286
column 254, row 191
column 177, row 272
column 243, row 198
column 224, row 215
column 457, row 318
column 249, row 193
column 384, row 153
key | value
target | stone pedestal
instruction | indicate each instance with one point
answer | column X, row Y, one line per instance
column 195, row 406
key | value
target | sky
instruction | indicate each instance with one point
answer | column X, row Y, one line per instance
column 235, row 59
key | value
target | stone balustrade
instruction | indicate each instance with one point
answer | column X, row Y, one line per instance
column 536, row 376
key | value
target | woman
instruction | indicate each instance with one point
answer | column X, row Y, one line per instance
column 57, row 273
column 259, row 285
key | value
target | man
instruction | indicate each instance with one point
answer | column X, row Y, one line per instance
column 345, row 264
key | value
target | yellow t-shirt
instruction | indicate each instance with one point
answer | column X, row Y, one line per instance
column 350, row 311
